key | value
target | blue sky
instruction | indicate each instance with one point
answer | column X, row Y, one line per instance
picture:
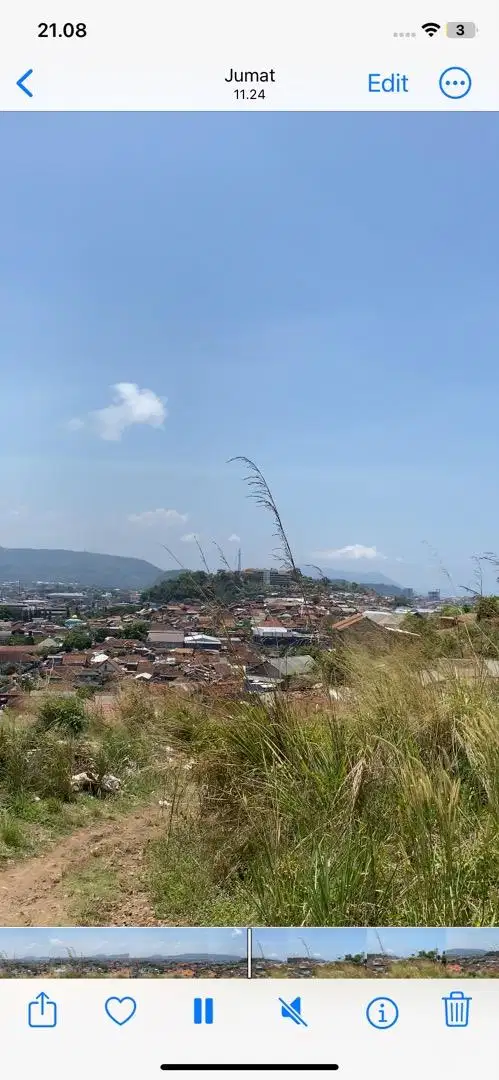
column 330, row 943
column 316, row 292
column 406, row 941
column 466, row 937
column 169, row 941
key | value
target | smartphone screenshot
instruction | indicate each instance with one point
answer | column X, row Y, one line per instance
column 249, row 554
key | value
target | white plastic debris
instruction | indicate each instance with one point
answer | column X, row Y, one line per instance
column 110, row 783
column 89, row 781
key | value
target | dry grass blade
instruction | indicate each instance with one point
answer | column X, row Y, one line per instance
column 262, row 494
column 223, row 557
column 202, row 555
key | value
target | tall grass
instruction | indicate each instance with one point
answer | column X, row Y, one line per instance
column 385, row 812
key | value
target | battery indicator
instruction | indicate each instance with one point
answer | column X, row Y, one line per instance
column 461, row 29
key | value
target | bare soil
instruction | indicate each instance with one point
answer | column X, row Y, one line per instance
column 41, row 891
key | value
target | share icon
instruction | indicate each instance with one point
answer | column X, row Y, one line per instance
column 292, row 1011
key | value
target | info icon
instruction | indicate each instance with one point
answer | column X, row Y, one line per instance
column 382, row 1013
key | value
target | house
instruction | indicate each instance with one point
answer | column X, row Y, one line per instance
column 19, row 655
column 370, row 628
column 103, row 663
column 136, row 664
column 75, row 660
column 289, row 669
column 165, row 671
column 202, row 641
column 391, row 620
column 50, row 643
column 54, row 660
column 166, row 639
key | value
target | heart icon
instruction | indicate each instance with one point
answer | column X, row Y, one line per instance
column 120, row 1010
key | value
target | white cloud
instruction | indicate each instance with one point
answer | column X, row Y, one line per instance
column 56, row 941
column 158, row 517
column 189, row 538
column 351, row 551
column 76, row 424
column 16, row 512
column 234, row 539
column 236, row 932
column 131, row 406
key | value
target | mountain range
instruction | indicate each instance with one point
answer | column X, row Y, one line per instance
column 362, row 577
column 88, row 568
column 376, row 581
column 30, row 565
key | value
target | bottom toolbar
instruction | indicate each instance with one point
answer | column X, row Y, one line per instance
column 359, row 1028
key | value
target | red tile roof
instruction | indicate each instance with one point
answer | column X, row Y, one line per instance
column 76, row 659
column 14, row 652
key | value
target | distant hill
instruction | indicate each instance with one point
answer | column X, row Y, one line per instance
column 361, row 577
column 378, row 582
column 168, row 575
column 29, row 565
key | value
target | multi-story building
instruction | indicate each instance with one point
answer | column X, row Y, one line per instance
column 271, row 578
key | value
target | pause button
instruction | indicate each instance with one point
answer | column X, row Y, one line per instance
column 203, row 1010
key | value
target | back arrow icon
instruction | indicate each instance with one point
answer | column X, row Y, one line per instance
column 20, row 82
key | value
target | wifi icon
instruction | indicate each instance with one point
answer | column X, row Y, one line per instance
column 431, row 28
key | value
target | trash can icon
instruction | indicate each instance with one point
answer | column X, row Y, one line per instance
column 457, row 1009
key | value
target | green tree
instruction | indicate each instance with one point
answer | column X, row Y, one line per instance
column 136, row 631
column 224, row 587
column 77, row 640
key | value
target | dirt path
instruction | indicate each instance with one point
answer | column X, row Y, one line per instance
column 39, row 892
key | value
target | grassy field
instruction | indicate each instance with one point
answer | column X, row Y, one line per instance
column 408, row 969
column 382, row 812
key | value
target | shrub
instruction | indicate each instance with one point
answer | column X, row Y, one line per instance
column 487, row 607
column 85, row 693
column 67, row 714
